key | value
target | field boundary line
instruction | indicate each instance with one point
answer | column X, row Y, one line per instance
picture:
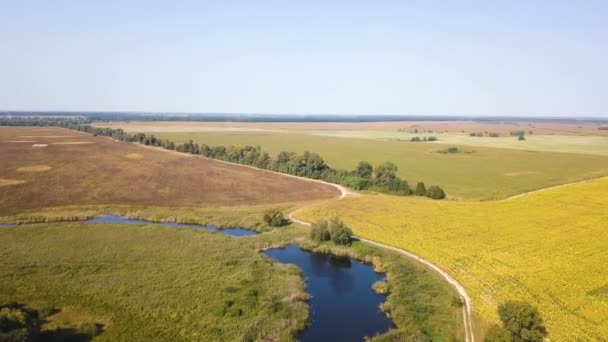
column 524, row 194
column 466, row 308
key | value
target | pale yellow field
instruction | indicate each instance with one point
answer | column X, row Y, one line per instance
column 549, row 248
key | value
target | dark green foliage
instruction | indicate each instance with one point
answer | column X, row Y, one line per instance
column 334, row 230
column 432, row 138
column 364, row 170
column 415, row 139
column 497, row 333
column 308, row 164
column 319, row 231
column 275, row 218
column 435, row 192
column 339, row 232
column 420, row 189
column 522, row 320
column 18, row 324
column 521, row 137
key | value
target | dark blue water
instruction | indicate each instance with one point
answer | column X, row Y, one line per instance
column 123, row 220
column 343, row 305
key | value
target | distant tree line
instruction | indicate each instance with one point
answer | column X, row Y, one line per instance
column 417, row 139
column 382, row 178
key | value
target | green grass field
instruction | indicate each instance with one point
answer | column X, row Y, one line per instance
column 151, row 282
column 548, row 248
column 480, row 173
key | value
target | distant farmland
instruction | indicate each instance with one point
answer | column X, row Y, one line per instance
column 548, row 248
column 478, row 173
column 44, row 167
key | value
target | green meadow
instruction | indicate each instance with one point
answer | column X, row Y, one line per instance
column 475, row 173
column 149, row 282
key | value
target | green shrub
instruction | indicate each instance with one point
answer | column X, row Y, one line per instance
column 339, row 232
column 319, row 231
column 420, row 189
column 523, row 321
column 275, row 218
column 435, row 192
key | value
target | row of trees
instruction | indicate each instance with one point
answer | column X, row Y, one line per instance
column 382, row 178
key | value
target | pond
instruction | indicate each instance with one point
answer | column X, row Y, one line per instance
column 343, row 306
column 122, row 220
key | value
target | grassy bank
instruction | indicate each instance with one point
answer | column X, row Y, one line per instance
column 250, row 217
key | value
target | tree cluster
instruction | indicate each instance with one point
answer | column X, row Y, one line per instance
column 275, row 218
column 334, row 230
column 521, row 322
column 431, row 138
column 382, row 178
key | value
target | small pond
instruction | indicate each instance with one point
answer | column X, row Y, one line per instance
column 123, row 220
column 343, row 306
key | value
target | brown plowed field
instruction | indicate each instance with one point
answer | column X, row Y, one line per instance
column 82, row 169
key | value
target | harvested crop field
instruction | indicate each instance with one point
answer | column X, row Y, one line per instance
column 99, row 173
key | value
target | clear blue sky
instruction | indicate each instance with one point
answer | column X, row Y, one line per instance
column 364, row 57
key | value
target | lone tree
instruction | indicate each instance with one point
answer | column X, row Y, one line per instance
column 523, row 321
column 275, row 218
column 364, row 170
column 420, row 189
column 435, row 192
